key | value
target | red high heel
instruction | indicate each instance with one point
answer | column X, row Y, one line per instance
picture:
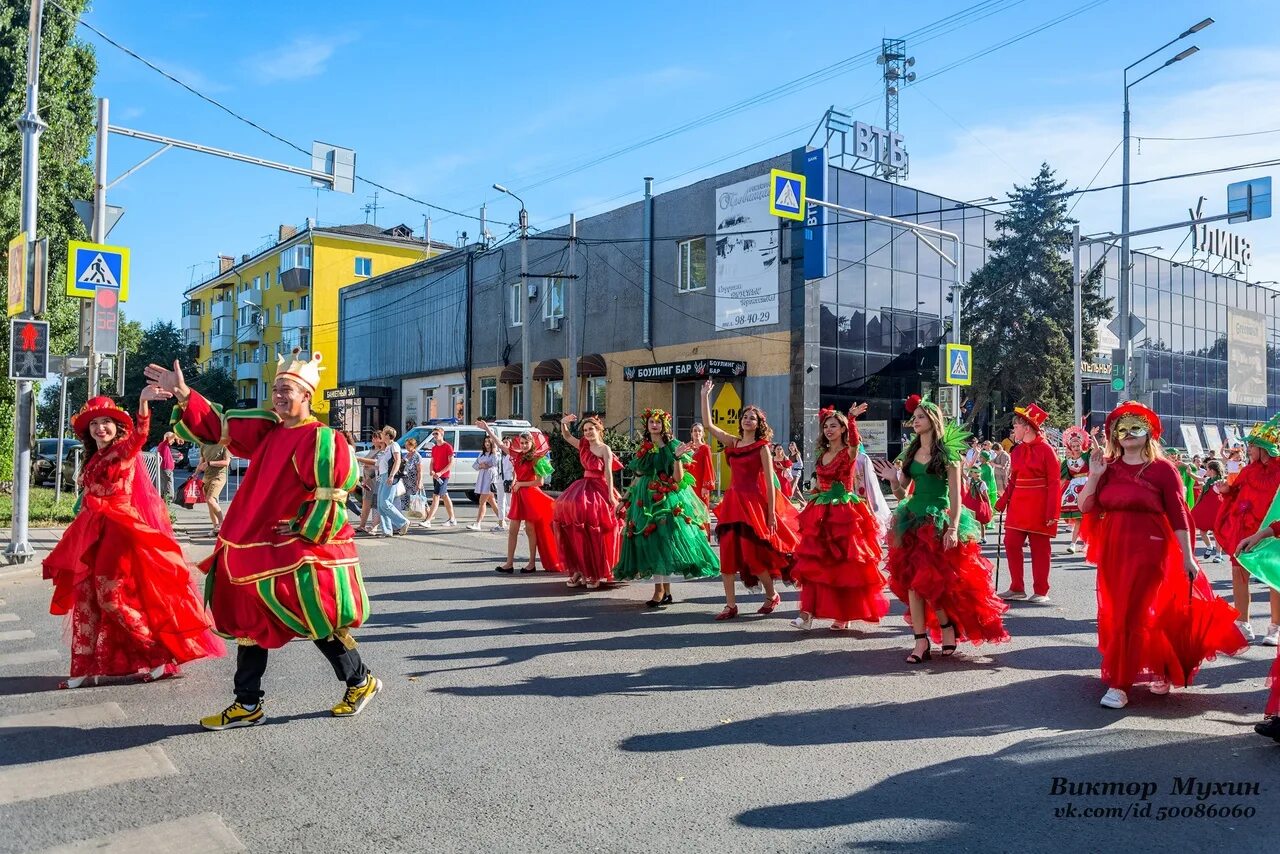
column 729, row 612
column 770, row 604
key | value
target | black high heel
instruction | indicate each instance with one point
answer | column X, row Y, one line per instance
column 667, row 600
column 916, row 659
column 948, row 648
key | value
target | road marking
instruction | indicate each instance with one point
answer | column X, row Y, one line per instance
column 198, row 834
column 13, row 659
column 8, row 618
column 37, row 780
column 17, row 634
column 98, row 714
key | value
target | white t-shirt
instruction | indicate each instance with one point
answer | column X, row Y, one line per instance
column 384, row 459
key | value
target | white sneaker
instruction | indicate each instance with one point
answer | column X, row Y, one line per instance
column 1071, row 549
column 1273, row 636
column 804, row 622
column 1246, row 629
column 426, row 523
column 474, row 526
column 1038, row 599
column 1014, row 595
column 452, row 523
column 1114, row 699
column 1159, row 687
column 498, row 527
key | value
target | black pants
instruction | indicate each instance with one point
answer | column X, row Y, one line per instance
column 251, row 664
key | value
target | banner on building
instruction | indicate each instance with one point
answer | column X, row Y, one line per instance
column 1233, row 435
column 875, row 438
column 1212, row 437
column 747, row 256
column 1246, row 358
column 815, row 220
column 1191, row 440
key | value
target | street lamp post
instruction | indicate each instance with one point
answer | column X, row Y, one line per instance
column 1125, row 296
column 526, row 370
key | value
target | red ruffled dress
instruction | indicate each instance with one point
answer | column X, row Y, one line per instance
column 747, row 548
column 529, row 504
column 782, row 471
column 1246, row 503
column 585, row 521
column 121, row 575
column 704, row 478
column 1208, row 505
column 1152, row 622
column 838, row 557
column 956, row 581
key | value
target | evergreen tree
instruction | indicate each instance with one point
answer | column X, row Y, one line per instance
column 1018, row 309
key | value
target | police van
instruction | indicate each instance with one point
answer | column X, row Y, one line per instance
column 467, row 440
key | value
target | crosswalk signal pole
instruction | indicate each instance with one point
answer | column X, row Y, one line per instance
column 98, row 233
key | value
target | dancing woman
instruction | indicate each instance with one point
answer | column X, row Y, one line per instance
column 1074, row 475
column 529, row 504
column 585, row 519
column 755, row 524
column 117, row 569
column 663, row 533
column 838, row 557
column 1244, row 502
column 1157, row 616
column 704, row 478
column 935, row 563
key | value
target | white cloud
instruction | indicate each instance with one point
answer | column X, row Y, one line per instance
column 305, row 56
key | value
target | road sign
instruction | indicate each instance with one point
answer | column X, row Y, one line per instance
column 91, row 266
column 18, row 274
column 1135, row 326
column 959, row 364
column 1250, row 200
column 106, row 322
column 28, row 349
column 786, row 194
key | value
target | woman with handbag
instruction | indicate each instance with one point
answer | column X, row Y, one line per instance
column 393, row 522
column 411, row 476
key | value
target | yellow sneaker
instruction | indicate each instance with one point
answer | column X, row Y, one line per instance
column 354, row 701
column 234, row 716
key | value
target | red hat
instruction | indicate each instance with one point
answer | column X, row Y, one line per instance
column 100, row 407
column 1135, row 408
column 1032, row 414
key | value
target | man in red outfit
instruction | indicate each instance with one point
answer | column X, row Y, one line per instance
column 1031, row 503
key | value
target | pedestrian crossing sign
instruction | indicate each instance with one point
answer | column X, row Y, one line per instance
column 786, row 194
column 959, row 364
column 91, row 266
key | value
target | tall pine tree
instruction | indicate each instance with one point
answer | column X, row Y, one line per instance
column 1019, row 311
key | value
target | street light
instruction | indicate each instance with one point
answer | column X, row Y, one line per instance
column 526, row 370
column 1125, row 300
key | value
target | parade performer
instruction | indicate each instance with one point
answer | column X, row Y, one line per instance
column 529, row 453
column 1075, row 472
column 1244, row 503
column 838, row 557
column 935, row 563
column 1032, row 500
column 1158, row 619
column 1259, row 553
column 585, row 518
column 285, row 563
column 1205, row 514
column 987, row 470
column 868, row 486
column 664, row 523
column 782, row 472
column 704, row 476
column 755, row 524
column 117, row 570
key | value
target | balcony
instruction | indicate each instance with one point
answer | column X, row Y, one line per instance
column 192, row 337
column 251, row 332
column 250, row 371
column 222, row 341
column 296, row 319
column 225, row 308
column 296, row 279
column 191, row 321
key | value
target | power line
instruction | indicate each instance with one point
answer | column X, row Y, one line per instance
column 1201, row 138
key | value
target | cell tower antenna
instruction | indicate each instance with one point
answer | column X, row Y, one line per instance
column 897, row 73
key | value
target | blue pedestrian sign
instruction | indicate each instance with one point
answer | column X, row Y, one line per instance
column 959, row 364
column 786, row 194
column 91, row 266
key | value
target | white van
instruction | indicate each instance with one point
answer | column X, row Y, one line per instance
column 467, row 440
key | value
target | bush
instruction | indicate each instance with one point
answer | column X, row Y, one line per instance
column 564, row 459
column 42, row 512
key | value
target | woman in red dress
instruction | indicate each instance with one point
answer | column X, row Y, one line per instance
column 1033, row 501
column 585, row 518
column 117, row 570
column 755, row 524
column 529, row 504
column 1157, row 616
column 782, row 471
column 838, row 558
column 704, row 476
column 1244, row 503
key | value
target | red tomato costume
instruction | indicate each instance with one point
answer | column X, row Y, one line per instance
column 704, row 478
column 1031, row 503
column 1246, row 502
column 747, row 548
column 529, row 504
column 585, row 520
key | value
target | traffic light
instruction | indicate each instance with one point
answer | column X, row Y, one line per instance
column 1118, row 364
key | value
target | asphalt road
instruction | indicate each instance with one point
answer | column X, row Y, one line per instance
column 522, row 716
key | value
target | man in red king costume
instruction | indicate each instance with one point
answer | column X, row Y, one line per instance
column 1031, row 503
column 285, row 564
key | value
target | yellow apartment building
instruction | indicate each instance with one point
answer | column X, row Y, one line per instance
column 286, row 296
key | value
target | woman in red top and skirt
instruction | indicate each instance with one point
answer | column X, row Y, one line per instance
column 117, row 570
column 585, row 518
column 529, row 504
column 838, row 558
column 704, row 476
column 1157, row 616
column 755, row 524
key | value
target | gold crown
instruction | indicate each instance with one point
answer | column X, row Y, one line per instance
column 1266, row 436
column 303, row 371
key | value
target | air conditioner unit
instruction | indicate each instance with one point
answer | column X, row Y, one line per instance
column 553, row 323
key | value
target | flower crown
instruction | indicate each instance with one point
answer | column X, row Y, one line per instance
column 661, row 414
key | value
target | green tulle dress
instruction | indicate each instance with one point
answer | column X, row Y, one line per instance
column 663, row 523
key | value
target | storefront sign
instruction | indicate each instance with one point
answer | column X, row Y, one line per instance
column 1246, row 358
column 879, row 145
column 352, row 392
column 1224, row 244
column 694, row 369
column 815, row 220
column 747, row 256
column 875, row 438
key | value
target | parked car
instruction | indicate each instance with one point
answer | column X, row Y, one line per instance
column 467, row 440
column 45, row 457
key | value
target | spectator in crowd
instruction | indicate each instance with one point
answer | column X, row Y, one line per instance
column 441, row 469
column 502, row 481
column 411, row 472
column 166, row 450
column 215, row 462
column 369, row 518
column 389, row 461
column 487, row 469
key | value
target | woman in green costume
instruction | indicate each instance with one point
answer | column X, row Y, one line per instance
column 663, row 519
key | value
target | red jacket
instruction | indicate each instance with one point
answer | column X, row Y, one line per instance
column 1032, row 500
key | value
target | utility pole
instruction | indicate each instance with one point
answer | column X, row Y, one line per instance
column 99, row 231
column 1077, row 337
column 19, row 550
column 569, row 286
column 526, row 376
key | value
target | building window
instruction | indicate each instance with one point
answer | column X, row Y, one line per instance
column 279, row 313
column 296, row 257
column 458, row 402
column 517, row 400
column 595, row 394
column 553, row 397
column 364, row 267
column 489, row 398
column 691, row 272
column 257, row 283
column 304, row 341
column 515, row 309
column 290, row 305
column 553, row 299
column 302, row 302
column 267, row 281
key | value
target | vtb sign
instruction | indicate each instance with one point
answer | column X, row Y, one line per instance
column 878, row 145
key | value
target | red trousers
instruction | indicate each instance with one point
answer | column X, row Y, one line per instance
column 1040, row 555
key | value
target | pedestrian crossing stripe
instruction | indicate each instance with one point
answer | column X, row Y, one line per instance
column 959, row 364
column 91, row 266
column 786, row 194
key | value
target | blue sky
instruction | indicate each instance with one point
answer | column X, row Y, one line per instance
column 440, row 101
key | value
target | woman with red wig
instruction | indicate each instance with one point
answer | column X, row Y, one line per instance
column 117, row 570
column 1031, row 503
column 1158, row 619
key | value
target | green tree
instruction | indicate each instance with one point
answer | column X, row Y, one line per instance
column 67, row 70
column 1019, row 312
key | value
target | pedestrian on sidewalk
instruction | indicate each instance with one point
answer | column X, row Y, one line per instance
column 503, row 478
column 166, row 451
column 285, row 565
column 390, row 459
column 442, row 457
column 369, row 518
column 487, row 475
column 117, row 570
column 411, row 475
column 215, row 462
